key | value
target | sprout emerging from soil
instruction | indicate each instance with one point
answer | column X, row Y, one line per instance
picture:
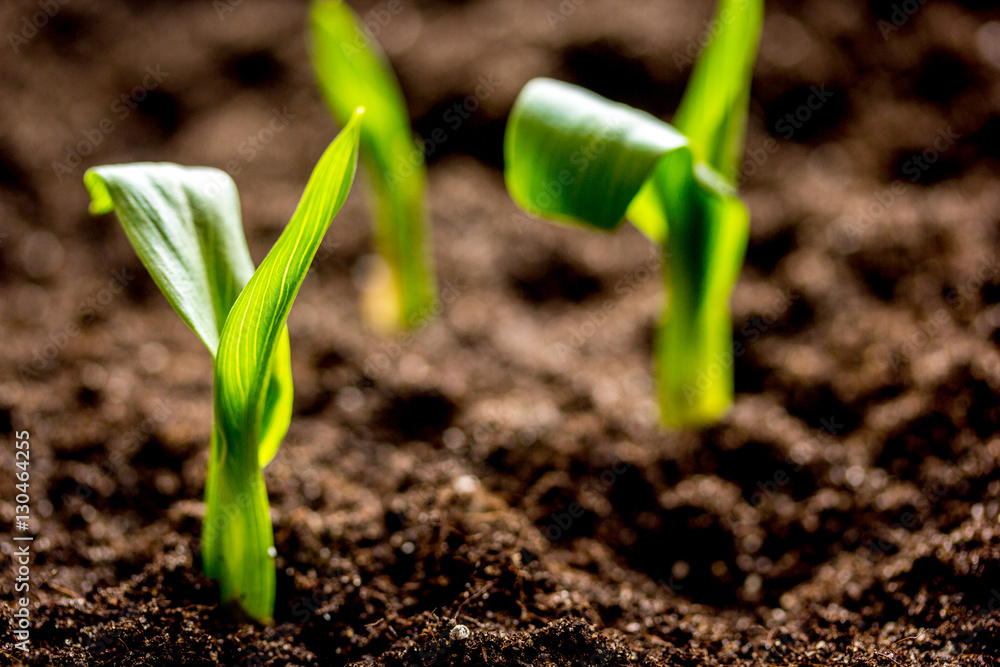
column 353, row 71
column 185, row 226
column 573, row 156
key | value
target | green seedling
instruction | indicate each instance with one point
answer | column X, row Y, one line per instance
column 184, row 224
column 573, row 156
column 353, row 71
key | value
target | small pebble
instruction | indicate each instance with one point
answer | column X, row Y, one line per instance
column 465, row 485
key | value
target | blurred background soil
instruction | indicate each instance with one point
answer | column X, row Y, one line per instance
column 502, row 468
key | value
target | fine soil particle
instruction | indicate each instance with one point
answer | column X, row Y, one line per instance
column 501, row 468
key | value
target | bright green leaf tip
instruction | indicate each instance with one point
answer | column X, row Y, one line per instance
column 100, row 198
column 573, row 156
column 185, row 225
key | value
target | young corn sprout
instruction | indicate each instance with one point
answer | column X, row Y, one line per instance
column 185, row 226
column 573, row 156
column 352, row 72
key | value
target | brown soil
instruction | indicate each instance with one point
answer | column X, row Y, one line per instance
column 501, row 469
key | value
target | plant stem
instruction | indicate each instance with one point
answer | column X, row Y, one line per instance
column 704, row 252
column 694, row 360
column 237, row 537
column 407, row 296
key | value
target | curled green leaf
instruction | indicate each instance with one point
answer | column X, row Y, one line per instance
column 574, row 156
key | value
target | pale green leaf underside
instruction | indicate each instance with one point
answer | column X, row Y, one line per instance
column 185, row 225
column 352, row 72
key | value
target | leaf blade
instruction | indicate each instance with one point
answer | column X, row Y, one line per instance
column 713, row 112
column 574, row 156
column 277, row 411
column 240, row 549
column 353, row 71
column 185, row 225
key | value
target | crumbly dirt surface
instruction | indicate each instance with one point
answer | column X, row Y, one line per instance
column 501, row 469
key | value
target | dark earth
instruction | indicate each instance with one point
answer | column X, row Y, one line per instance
column 502, row 468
